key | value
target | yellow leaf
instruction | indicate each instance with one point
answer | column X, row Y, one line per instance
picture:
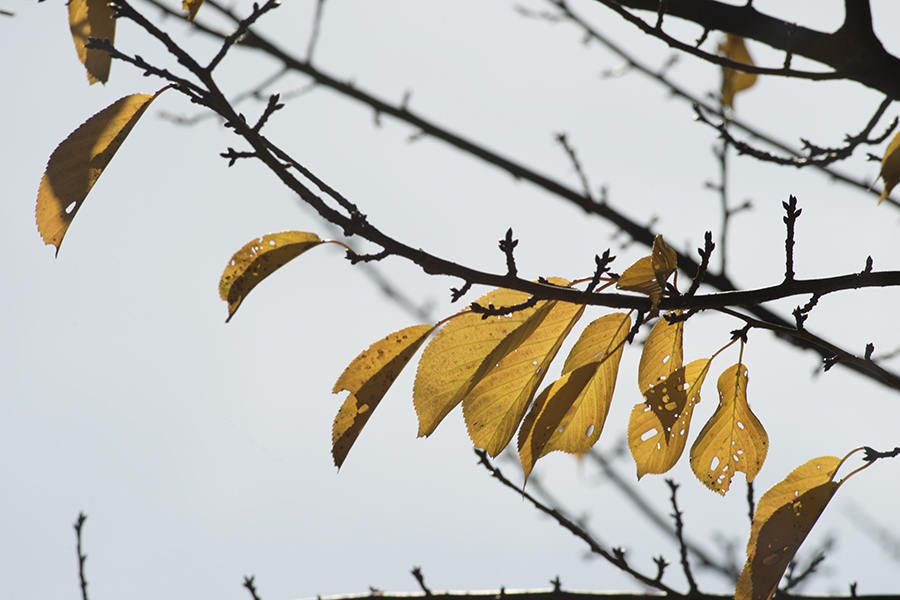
column 92, row 18
column 570, row 414
column 784, row 517
column 733, row 439
column 658, row 428
column 662, row 353
column 890, row 167
column 496, row 404
column 452, row 358
column 192, row 6
column 368, row 379
column 257, row 260
column 78, row 162
column 649, row 274
column 733, row 80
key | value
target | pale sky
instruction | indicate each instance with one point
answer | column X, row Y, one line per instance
column 200, row 451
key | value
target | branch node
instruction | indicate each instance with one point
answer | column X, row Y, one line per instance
column 507, row 245
column 417, row 573
column 870, row 348
column 456, row 294
column 790, row 220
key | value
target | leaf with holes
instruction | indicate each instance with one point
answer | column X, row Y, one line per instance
column 570, row 414
column 658, row 428
column 496, row 404
column 649, row 274
column 890, row 167
column 733, row 439
column 192, row 6
column 260, row 258
column 368, row 379
column 78, row 162
column 662, row 353
column 449, row 364
column 733, row 80
column 784, row 517
column 92, row 19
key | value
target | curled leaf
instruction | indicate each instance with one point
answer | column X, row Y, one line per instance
column 78, row 162
column 733, row 80
column 784, row 517
column 368, row 379
column 649, row 274
column 92, row 19
column 733, row 439
column 890, row 167
column 257, row 260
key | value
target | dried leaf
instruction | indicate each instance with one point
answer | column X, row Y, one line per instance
column 192, row 6
column 78, row 162
column 784, row 517
column 734, row 81
column 733, row 439
column 92, row 18
column 257, row 260
column 658, row 428
column 495, row 406
column 649, row 274
column 570, row 414
column 453, row 357
column 368, row 379
column 890, row 167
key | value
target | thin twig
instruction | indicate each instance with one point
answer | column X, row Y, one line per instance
column 679, row 533
column 248, row 583
column 81, row 556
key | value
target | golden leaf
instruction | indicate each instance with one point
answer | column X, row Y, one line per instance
column 497, row 402
column 784, row 517
column 890, row 167
column 662, row 353
column 455, row 354
column 192, row 6
column 257, row 260
column 92, row 18
column 78, row 162
column 733, row 80
column 368, row 379
column 649, row 274
column 570, row 414
column 658, row 428
column 733, row 439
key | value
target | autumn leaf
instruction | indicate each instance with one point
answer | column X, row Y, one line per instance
column 92, row 19
column 733, row 80
column 658, row 427
column 784, row 517
column 453, row 357
column 890, row 168
column 192, row 6
column 649, row 274
column 496, row 404
column 733, row 439
column 260, row 258
column 662, row 353
column 368, row 379
column 78, row 162
column 570, row 414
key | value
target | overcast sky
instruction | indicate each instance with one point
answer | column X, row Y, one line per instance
column 200, row 451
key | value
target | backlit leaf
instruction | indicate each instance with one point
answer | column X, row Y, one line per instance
column 733, row 439
column 78, row 162
column 368, row 379
column 649, row 274
column 784, row 517
column 662, row 353
column 733, row 80
column 495, row 406
column 658, row 428
column 570, row 414
column 257, row 260
column 455, row 354
column 192, row 6
column 92, row 18
column 890, row 167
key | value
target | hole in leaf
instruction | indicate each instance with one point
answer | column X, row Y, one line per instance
column 666, row 359
column 714, row 464
column 271, row 242
column 71, row 208
column 561, row 429
column 740, row 425
column 648, row 434
column 590, row 430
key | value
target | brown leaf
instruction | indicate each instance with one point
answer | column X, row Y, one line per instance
column 78, row 162
column 92, row 18
column 368, row 379
column 258, row 259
